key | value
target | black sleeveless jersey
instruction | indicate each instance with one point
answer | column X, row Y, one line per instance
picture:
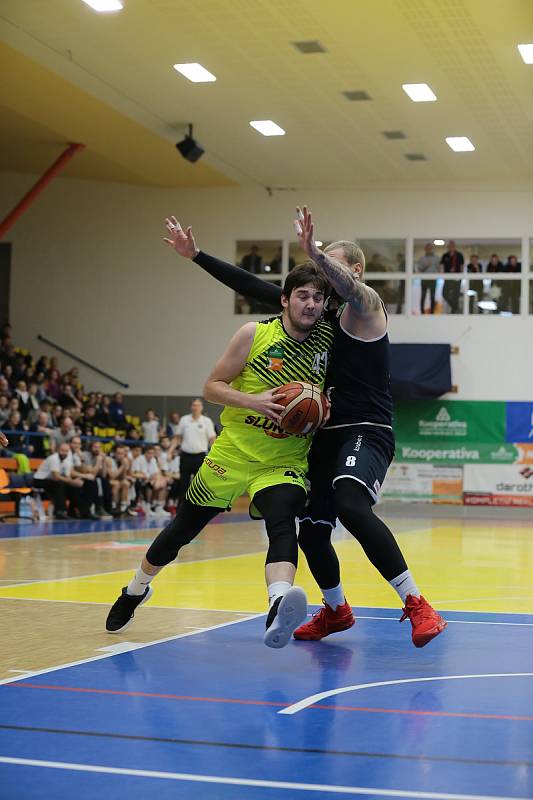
column 358, row 379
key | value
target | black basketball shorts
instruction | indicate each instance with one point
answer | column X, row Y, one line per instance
column 361, row 453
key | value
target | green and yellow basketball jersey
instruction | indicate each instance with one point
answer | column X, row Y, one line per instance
column 276, row 358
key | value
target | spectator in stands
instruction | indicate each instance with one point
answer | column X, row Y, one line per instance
column 40, row 380
column 18, row 442
column 53, row 386
column 428, row 263
column 173, row 476
column 88, row 422
column 34, row 403
column 43, row 365
column 172, row 424
column 150, row 427
column 4, row 409
column 150, row 483
column 5, row 388
column 88, row 496
column 495, row 265
column 8, row 372
column 452, row 262
column 67, row 398
column 21, row 391
column 513, row 265
column 96, row 464
column 103, row 415
column 474, row 266
column 54, row 476
column 65, row 432
column 196, row 433
column 57, row 415
column 46, row 406
column 118, row 470
column 8, row 357
column 91, row 399
column 117, row 412
column 253, row 261
column 165, row 452
column 41, row 444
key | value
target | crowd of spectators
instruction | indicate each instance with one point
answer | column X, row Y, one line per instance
column 82, row 475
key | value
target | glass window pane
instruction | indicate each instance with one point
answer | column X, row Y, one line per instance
column 381, row 255
column 392, row 293
column 437, row 295
column 260, row 257
column 248, row 305
column 497, row 297
column 466, row 255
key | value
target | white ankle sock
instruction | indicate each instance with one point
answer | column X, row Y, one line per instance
column 334, row 597
column 139, row 582
column 277, row 589
column 404, row 584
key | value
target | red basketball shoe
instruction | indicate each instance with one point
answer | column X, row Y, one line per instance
column 326, row 621
column 426, row 622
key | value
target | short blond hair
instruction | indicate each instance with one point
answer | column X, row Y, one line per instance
column 351, row 251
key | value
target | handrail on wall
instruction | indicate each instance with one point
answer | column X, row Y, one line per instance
column 82, row 361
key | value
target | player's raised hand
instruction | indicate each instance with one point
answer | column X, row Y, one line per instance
column 305, row 231
column 3, row 439
column 182, row 241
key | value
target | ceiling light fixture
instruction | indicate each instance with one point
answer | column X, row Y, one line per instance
column 526, row 51
column 318, row 243
column 460, row 144
column 195, row 72
column 438, row 242
column 105, row 5
column 267, row 127
column 189, row 147
column 419, row 92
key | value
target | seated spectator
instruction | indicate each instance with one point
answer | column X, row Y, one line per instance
column 119, row 473
column 41, row 444
column 57, row 415
column 88, row 422
column 4, row 409
column 23, row 395
column 172, row 424
column 54, row 476
column 5, row 388
column 18, row 442
column 67, row 398
column 90, row 399
column 150, row 427
column 151, row 484
column 103, row 415
column 428, row 263
column 46, row 406
column 96, row 464
column 513, row 265
column 43, row 365
column 495, row 265
column 88, row 497
column 173, row 477
column 65, row 433
column 116, row 409
column 165, row 452
column 53, row 386
column 34, row 403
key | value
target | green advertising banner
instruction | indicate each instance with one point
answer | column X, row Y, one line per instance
column 452, row 453
column 453, row 422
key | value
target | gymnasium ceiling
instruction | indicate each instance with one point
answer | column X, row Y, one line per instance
column 70, row 74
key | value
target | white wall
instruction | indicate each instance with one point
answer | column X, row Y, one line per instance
column 90, row 272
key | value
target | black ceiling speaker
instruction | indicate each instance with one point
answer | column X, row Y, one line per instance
column 189, row 147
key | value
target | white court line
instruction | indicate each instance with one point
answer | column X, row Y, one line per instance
column 134, row 647
column 315, row 698
column 301, row 787
column 152, row 605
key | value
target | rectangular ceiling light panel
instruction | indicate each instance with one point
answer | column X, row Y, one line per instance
column 460, row 144
column 195, row 72
column 526, row 51
column 105, row 5
column 267, row 127
column 419, row 92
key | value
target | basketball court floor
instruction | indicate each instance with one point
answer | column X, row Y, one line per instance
column 189, row 703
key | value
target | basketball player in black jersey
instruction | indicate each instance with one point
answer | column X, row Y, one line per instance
column 349, row 458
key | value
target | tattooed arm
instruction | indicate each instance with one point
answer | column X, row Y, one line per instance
column 364, row 314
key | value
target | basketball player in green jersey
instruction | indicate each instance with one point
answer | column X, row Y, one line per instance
column 253, row 454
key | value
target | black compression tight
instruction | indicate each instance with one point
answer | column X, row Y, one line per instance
column 354, row 509
column 185, row 526
column 279, row 506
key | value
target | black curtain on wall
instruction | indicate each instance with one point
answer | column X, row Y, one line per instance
column 420, row 370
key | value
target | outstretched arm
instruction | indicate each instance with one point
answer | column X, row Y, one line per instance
column 360, row 297
column 231, row 276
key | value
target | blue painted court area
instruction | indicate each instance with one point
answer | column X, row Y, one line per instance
column 213, row 715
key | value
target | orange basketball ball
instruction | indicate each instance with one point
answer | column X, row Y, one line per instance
column 305, row 407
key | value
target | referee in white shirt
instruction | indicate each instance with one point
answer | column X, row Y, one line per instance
column 196, row 433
